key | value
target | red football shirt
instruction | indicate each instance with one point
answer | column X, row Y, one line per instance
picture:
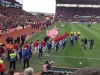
column 26, row 45
column 55, row 39
column 64, row 36
column 58, row 38
column 61, row 37
column 36, row 44
column 16, row 46
column 43, row 43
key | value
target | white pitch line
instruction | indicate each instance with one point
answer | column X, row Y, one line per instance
column 69, row 57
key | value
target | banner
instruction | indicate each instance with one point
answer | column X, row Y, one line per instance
column 11, row 30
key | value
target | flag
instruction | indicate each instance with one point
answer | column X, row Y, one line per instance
column 52, row 33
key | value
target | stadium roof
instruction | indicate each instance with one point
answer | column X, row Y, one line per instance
column 93, row 2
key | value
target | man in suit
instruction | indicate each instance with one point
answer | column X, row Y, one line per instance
column 11, row 39
column 91, row 43
column 23, row 38
column 18, row 39
column 7, row 40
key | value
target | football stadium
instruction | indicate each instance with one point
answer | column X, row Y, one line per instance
column 64, row 42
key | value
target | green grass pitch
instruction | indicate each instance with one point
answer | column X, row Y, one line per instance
column 72, row 55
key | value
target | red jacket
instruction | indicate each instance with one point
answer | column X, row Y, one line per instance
column 2, row 50
column 2, row 66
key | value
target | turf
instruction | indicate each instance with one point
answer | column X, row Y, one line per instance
column 72, row 55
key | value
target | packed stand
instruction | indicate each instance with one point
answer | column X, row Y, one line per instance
column 69, row 14
column 14, row 1
column 12, row 17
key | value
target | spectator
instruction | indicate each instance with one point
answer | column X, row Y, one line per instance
column 87, row 71
column 10, row 72
column 16, row 73
column 18, row 39
column 59, row 73
column 29, row 71
column 2, row 67
column 46, row 68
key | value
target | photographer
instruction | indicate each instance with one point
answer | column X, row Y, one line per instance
column 46, row 68
column 85, row 43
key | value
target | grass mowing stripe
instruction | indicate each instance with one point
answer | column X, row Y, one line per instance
column 95, row 29
column 97, row 25
column 96, row 34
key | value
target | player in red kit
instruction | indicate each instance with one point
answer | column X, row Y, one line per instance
column 26, row 45
column 61, row 38
column 44, row 45
column 55, row 39
column 58, row 38
column 66, row 34
column 36, row 44
column 16, row 46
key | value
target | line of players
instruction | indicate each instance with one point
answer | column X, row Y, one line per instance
column 39, row 47
column 74, row 36
column 51, row 43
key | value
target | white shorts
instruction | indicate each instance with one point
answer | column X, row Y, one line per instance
column 36, row 48
column 60, row 42
column 52, row 45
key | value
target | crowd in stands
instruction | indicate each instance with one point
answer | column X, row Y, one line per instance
column 14, row 1
column 11, row 17
column 69, row 14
